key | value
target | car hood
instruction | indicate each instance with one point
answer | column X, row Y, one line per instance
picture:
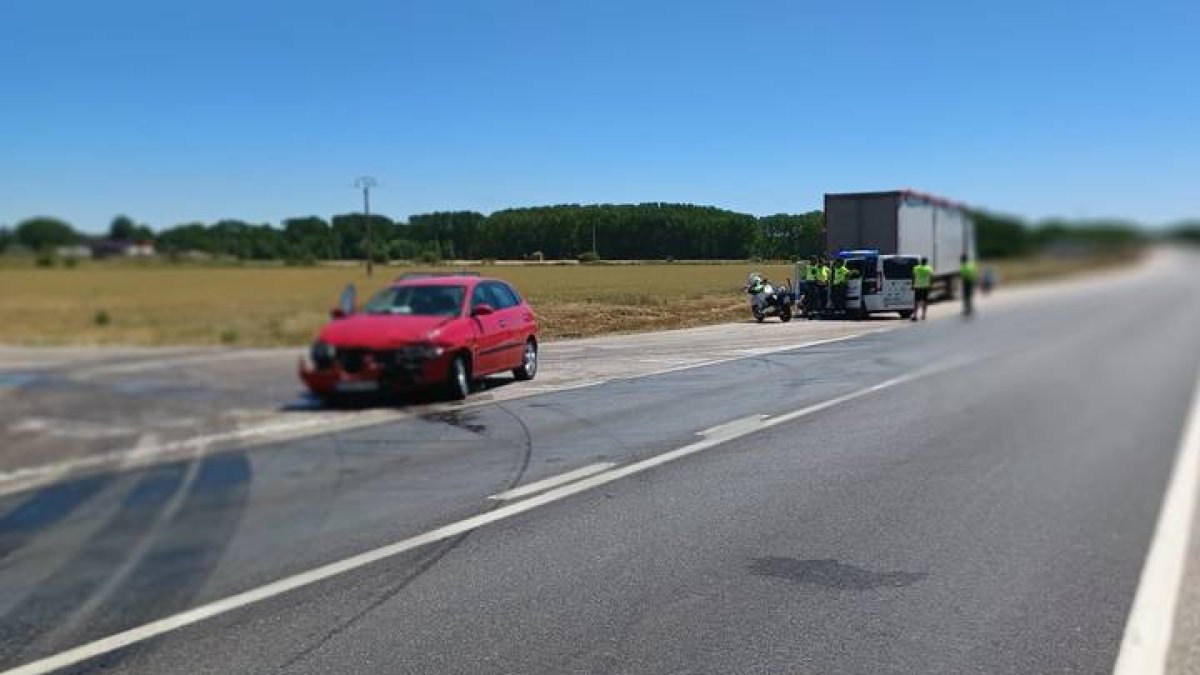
column 381, row 331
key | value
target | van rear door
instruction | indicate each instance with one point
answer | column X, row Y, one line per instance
column 854, row 284
column 898, row 281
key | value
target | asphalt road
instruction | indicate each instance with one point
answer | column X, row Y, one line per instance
column 954, row 496
column 63, row 410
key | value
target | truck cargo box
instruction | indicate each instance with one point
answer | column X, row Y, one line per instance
column 901, row 222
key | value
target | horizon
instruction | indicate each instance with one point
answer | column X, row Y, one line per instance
column 101, row 231
column 259, row 113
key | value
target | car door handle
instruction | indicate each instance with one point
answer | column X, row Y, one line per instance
column 502, row 323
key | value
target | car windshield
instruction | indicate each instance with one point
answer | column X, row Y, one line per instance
column 418, row 301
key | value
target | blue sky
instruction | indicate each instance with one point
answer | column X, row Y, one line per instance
column 174, row 111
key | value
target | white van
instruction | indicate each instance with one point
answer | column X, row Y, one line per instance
column 884, row 283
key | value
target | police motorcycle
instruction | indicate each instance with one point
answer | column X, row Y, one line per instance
column 768, row 300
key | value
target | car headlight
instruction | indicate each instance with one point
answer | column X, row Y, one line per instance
column 430, row 351
column 422, row 351
column 322, row 354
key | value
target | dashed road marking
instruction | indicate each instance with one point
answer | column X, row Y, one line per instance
column 175, row 622
column 553, row 481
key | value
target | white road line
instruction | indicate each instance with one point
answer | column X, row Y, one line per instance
column 134, row 556
column 144, row 455
column 287, row 584
column 32, row 477
column 545, row 388
column 734, row 427
column 64, row 428
column 759, row 351
column 762, row 352
column 553, row 481
column 1147, row 639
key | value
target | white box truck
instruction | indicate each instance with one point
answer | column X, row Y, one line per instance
column 902, row 222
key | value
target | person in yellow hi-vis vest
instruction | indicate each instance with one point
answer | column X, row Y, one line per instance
column 810, row 286
column 823, row 275
column 841, row 274
column 966, row 271
column 922, row 281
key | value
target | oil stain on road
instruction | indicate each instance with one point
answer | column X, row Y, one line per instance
column 830, row 573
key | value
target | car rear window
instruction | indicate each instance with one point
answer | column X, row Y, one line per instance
column 898, row 268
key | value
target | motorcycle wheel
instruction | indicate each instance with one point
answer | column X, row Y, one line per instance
column 758, row 315
column 785, row 314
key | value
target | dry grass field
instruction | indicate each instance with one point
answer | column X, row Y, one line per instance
column 155, row 303
column 164, row 304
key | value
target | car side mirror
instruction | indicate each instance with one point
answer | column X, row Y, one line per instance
column 337, row 313
column 482, row 310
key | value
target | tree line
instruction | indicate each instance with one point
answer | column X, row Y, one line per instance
column 1005, row 236
column 614, row 231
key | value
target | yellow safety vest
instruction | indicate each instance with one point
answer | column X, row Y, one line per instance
column 968, row 271
column 922, row 276
column 810, row 272
column 822, row 275
column 839, row 275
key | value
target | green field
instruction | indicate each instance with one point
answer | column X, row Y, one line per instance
column 164, row 304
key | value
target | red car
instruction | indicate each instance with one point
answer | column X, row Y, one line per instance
column 442, row 331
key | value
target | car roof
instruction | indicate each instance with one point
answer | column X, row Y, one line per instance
column 441, row 280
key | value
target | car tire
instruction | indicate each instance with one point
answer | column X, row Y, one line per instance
column 529, row 362
column 458, row 378
column 905, row 313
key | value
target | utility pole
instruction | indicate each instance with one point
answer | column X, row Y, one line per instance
column 365, row 183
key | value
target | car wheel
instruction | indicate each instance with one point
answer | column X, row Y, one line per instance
column 905, row 313
column 529, row 362
column 458, row 379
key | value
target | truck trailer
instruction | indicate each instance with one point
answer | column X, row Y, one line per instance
column 902, row 222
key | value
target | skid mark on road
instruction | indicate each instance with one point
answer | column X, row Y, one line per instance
column 42, row 510
column 151, row 557
column 425, row 563
column 186, row 552
column 110, row 647
column 71, row 584
column 143, row 454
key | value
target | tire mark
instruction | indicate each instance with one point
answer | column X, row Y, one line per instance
column 425, row 565
column 43, row 510
column 182, row 558
column 189, row 548
column 69, row 586
column 116, row 579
